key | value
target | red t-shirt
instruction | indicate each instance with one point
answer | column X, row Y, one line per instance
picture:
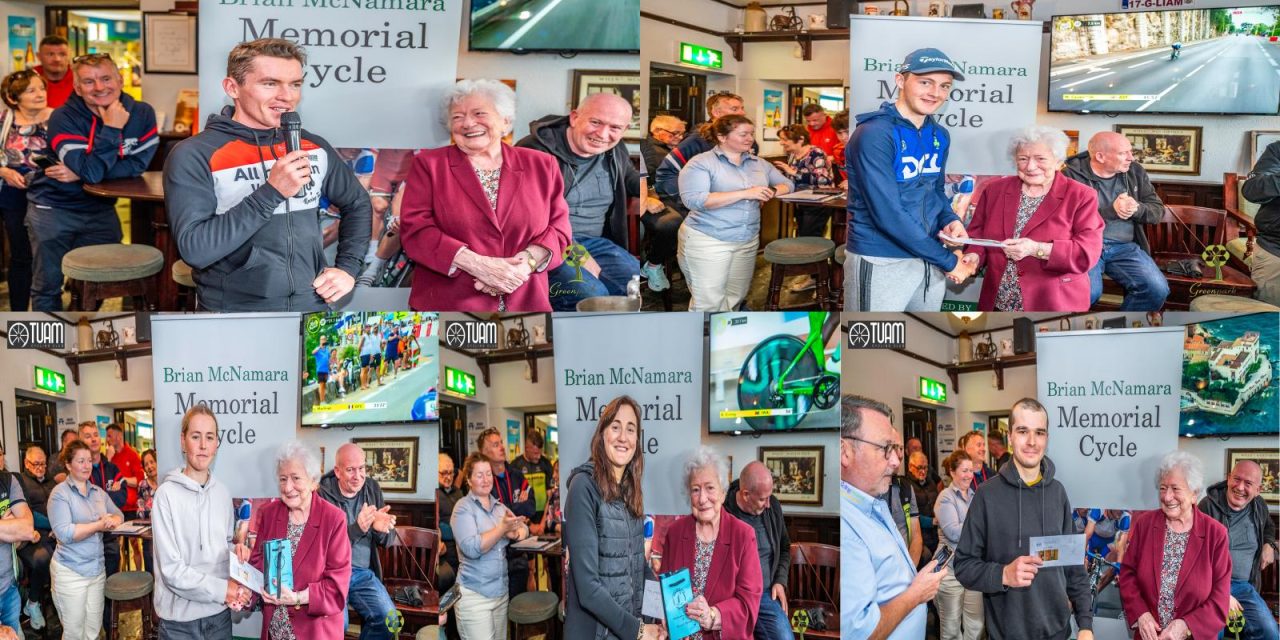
column 130, row 465
column 824, row 138
column 59, row 91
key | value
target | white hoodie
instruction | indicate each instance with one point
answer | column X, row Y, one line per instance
column 193, row 527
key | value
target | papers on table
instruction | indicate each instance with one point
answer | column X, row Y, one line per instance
column 1059, row 551
column 246, row 574
column 132, row 528
column 535, row 544
column 971, row 241
column 808, row 195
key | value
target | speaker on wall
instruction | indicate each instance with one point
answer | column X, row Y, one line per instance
column 1024, row 335
column 838, row 13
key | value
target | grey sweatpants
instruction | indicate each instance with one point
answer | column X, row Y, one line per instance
column 214, row 627
column 892, row 284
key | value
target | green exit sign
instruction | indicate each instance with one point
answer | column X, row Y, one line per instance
column 932, row 390
column 704, row 57
column 459, row 382
column 50, row 380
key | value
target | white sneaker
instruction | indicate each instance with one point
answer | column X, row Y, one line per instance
column 35, row 614
column 656, row 275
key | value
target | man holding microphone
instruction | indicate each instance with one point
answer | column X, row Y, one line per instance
column 244, row 206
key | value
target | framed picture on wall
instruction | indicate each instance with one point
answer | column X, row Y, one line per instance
column 169, row 42
column 1258, row 141
column 620, row 83
column 1269, row 460
column 393, row 462
column 1165, row 149
column 797, row 473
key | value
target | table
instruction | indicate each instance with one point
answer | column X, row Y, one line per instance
column 554, row 550
column 127, row 546
column 148, row 224
column 428, row 613
column 835, row 207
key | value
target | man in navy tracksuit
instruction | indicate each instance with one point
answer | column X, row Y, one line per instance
column 99, row 134
column 896, row 159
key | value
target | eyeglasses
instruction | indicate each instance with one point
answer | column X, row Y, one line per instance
column 91, row 58
column 888, row 448
column 446, row 472
column 38, row 465
column 674, row 134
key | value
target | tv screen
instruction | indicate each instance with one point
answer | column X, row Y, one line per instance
column 370, row 368
column 1204, row 61
column 1229, row 377
column 610, row 26
column 774, row 371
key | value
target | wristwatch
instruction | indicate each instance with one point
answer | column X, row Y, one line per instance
column 1040, row 250
column 530, row 260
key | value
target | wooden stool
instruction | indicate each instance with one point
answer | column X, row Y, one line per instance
column 533, row 608
column 131, row 591
column 799, row 256
column 1230, row 303
column 98, row 272
column 181, row 273
column 837, row 280
column 429, row 633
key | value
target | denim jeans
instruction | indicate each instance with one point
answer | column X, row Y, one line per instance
column 11, row 607
column 772, row 624
column 214, row 627
column 1258, row 621
column 370, row 599
column 54, row 232
column 616, row 269
column 1145, row 286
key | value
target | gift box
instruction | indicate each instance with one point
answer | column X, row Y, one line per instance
column 279, row 563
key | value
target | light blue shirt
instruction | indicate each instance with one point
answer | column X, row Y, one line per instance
column 69, row 507
column 875, row 567
column 712, row 172
column 950, row 509
column 482, row 572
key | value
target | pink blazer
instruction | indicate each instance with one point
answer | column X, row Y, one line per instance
column 445, row 209
column 322, row 564
column 1203, row 591
column 734, row 585
column 1068, row 217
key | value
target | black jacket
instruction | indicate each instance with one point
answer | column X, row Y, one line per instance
column 653, row 152
column 37, row 491
column 605, row 582
column 547, row 134
column 1004, row 515
column 370, row 494
column 1137, row 184
column 1263, row 187
column 775, row 527
column 1214, row 504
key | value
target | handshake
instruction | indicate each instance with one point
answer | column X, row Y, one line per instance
column 967, row 263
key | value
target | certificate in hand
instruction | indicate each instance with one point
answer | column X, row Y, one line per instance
column 246, row 574
column 677, row 593
column 1059, row 551
column 971, row 241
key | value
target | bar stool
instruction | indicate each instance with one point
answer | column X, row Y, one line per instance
column 429, row 633
column 799, row 256
column 533, row 608
column 181, row 274
column 101, row 271
column 131, row 591
column 1239, row 304
column 837, row 280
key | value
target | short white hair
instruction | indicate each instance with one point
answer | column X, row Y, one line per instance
column 294, row 451
column 703, row 458
column 1188, row 465
column 1054, row 139
column 502, row 97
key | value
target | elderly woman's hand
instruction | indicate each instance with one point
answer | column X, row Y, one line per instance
column 1177, row 630
column 1019, row 248
column 288, row 598
column 699, row 611
column 502, row 275
column 1148, row 628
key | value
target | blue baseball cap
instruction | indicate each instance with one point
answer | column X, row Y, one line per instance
column 930, row 60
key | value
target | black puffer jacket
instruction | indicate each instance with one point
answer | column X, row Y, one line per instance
column 606, row 563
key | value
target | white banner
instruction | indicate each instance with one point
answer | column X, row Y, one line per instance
column 245, row 368
column 996, row 98
column 374, row 76
column 656, row 358
column 1112, row 398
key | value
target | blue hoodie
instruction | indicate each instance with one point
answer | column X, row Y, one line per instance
column 95, row 152
column 897, row 204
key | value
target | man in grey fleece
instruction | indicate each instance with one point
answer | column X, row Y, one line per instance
column 245, row 212
column 1023, row 501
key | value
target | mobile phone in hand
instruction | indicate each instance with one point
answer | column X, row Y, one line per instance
column 943, row 558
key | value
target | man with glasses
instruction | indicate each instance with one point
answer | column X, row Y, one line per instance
column 881, row 594
column 369, row 525
column 666, row 176
column 925, row 489
column 55, row 59
column 100, row 134
column 662, row 223
column 994, row 555
column 37, row 484
column 447, row 496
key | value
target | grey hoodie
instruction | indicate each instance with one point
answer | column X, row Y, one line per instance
column 192, row 526
column 1004, row 515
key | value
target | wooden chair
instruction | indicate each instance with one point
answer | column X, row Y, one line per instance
column 1183, row 233
column 1244, row 212
column 413, row 551
column 814, row 582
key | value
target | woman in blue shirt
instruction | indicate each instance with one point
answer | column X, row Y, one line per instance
column 482, row 528
column 79, row 511
column 959, row 609
column 724, row 189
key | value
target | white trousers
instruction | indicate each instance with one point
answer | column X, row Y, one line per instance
column 79, row 601
column 958, row 606
column 481, row 618
column 719, row 273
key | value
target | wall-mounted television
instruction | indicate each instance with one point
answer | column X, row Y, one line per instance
column 774, row 372
column 609, row 26
column 1230, row 379
column 1189, row 61
column 370, row 368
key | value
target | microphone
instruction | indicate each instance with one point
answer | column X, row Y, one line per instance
column 291, row 123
